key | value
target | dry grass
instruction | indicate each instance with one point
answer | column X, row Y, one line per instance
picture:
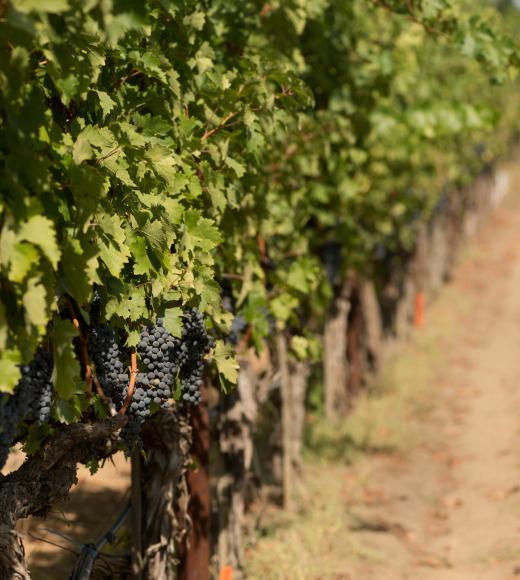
column 318, row 542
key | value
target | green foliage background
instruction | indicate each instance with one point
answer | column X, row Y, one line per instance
column 151, row 151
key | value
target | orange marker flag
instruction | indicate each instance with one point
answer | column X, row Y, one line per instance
column 419, row 309
column 226, row 573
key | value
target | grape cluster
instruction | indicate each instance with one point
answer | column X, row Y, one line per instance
column 164, row 360
column 194, row 344
column 331, row 257
column 105, row 353
column 38, row 376
column 31, row 400
column 153, row 385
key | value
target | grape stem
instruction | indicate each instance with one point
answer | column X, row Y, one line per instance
column 131, row 384
column 103, row 397
column 89, row 375
column 220, row 126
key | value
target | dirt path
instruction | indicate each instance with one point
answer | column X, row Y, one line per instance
column 447, row 508
column 52, row 544
column 457, row 516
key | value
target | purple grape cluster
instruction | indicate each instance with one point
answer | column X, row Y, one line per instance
column 107, row 356
column 331, row 258
column 30, row 401
column 39, row 377
column 195, row 343
column 164, row 360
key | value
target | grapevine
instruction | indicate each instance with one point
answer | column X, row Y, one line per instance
column 153, row 154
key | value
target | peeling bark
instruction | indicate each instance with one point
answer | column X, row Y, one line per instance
column 373, row 324
column 167, row 440
column 236, row 427
column 195, row 551
column 299, row 373
column 335, row 369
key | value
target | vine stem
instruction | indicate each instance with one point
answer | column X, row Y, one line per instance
column 90, row 377
column 107, row 400
column 131, row 384
column 219, row 127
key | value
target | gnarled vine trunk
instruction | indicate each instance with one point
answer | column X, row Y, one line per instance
column 167, row 440
column 373, row 324
column 44, row 479
column 335, row 369
column 195, row 550
column 236, row 427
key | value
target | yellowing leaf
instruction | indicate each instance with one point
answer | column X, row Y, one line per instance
column 9, row 370
column 226, row 362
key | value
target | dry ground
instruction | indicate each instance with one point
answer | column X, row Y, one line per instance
column 93, row 505
column 444, row 504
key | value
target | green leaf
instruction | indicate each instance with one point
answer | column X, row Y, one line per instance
column 195, row 20
column 35, row 303
column 297, row 278
column 133, row 306
column 9, row 370
column 66, row 372
column 23, row 257
column 164, row 163
column 52, row 6
column 299, row 346
column 137, row 245
column 77, row 277
column 173, row 321
column 199, row 232
column 39, row 230
column 114, row 255
column 69, row 411
column 237, row 167
column 105, row 102
column 283, row 306
column 132, row 339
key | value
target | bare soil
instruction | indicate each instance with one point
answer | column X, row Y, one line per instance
column 456, row 508
column 446, row 504
column 52, row 544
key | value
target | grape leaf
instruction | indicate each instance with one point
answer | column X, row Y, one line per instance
column 66, row 371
